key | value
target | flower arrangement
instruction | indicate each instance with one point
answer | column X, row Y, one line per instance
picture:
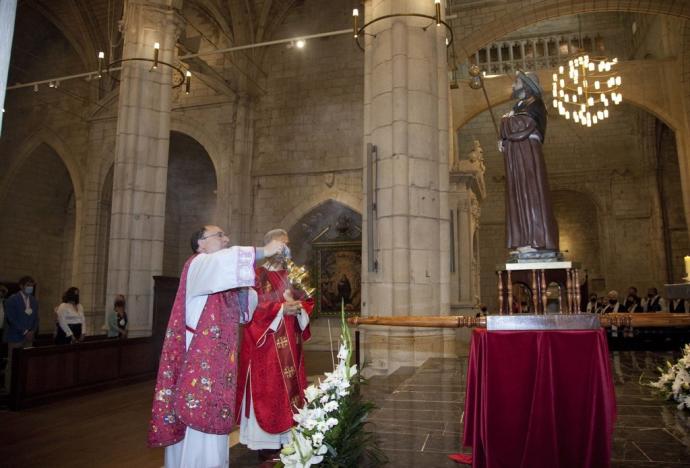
column 675, row 382
column 330, row 427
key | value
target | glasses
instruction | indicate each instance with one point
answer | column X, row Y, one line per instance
column 219, row 234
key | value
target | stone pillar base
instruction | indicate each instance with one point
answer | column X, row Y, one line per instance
column 385, row 349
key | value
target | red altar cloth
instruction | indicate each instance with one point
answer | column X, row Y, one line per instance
column 539, row 399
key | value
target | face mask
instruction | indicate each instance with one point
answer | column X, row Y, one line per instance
column 28, row 290
column 593, row 300
column 612, row 301
column 650, row 296
column 120, row 304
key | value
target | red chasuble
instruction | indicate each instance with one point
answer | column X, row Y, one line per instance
column 274, row 360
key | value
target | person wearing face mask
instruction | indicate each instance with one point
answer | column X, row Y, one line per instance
column 268, row 391
column 531, row 228
column 117, row 319
column 70, row 317
column 612, row 305
column 654, row 302
column 21, row 321
column 633, row 303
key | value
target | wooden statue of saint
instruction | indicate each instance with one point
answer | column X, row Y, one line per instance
column 531, row 229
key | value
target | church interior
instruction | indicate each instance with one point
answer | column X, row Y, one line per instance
column 129, row 124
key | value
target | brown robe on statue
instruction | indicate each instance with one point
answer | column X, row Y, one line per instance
column 529, row 215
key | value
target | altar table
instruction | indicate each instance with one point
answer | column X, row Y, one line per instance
column 539, row 399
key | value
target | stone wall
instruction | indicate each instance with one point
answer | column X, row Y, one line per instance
column 308, row 127
column 38, row 230
column 190, row 199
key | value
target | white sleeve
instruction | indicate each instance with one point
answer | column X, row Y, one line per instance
column 61, row 320
column 303, row 319
column 219, row 271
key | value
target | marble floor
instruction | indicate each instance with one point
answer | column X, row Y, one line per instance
column 419, row 422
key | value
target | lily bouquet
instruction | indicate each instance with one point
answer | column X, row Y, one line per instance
column 330, row 427
column 674, row 383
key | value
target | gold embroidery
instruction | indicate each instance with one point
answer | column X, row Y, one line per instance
column 289, row 372
column 282, row 342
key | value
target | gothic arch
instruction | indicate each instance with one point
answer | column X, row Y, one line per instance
column 191, row 197
column 500, row 93
column 82, row 35
column 348, row 199
column 50, row 138
column 524, row 13
column 197, row 132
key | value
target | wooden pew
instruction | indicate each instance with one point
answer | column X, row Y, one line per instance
column 48, row 373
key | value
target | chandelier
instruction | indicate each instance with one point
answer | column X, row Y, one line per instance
column 586, row 88
column 181, row 77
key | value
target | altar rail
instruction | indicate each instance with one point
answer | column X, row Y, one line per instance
column 48, row 373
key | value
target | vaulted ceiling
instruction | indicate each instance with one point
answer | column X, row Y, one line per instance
column 89, row 26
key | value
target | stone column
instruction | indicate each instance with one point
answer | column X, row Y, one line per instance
column 467, row 190
column 141, row 160
column 406, row 117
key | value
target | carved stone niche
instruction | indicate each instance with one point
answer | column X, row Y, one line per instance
column 329, row 221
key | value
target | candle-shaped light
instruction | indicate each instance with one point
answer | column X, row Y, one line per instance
column 156, row 49
column 101, row 56
column 687, row 267
column 437, row 4
column 355, row 16
column 188, row 82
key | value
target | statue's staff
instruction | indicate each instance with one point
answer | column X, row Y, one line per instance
column 477, row 82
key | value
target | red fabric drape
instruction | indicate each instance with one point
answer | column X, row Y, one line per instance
column 539, row 399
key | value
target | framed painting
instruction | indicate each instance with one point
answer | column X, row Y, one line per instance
column 338, row 277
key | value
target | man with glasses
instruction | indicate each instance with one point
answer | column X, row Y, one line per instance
column 194, row 399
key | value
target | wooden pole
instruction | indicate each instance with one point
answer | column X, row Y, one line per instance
column 643, row 319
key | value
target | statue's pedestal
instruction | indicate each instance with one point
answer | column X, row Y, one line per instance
column 524, row 322
column 539, row 288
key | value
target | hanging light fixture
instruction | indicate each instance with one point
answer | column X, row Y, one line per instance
column 180, row 75
column 585, row 88
column 359, row 31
